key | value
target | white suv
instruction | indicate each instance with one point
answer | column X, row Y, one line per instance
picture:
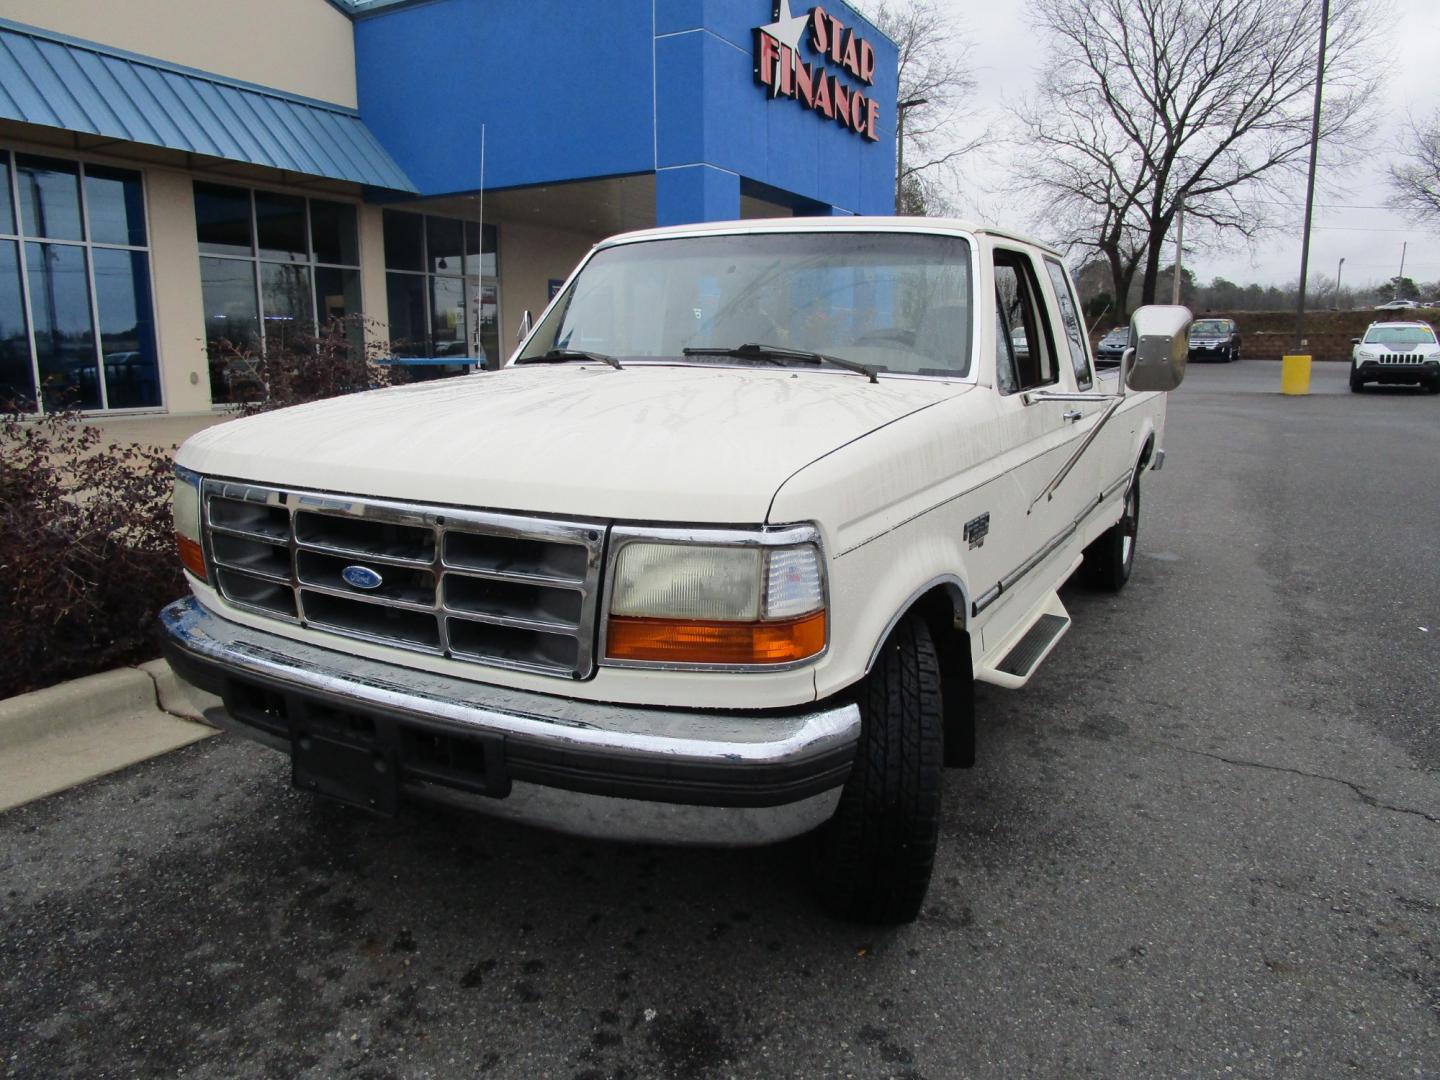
column 1396, row 352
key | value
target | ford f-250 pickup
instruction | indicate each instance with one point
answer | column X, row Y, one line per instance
column 717, row 557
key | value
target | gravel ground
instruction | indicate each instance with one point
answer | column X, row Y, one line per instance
column 1201, row 843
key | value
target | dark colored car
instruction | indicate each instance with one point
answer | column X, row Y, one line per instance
column 1110, row 347
column 1214, row 339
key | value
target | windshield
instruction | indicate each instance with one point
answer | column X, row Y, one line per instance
column 1400, row 335
column 1118, row 333
column 1210, row 328
column 895, row 301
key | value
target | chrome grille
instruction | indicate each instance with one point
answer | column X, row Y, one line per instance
column 503, row 589
column 1401, row 358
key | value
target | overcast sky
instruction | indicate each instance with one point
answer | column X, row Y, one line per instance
column 1353, row 224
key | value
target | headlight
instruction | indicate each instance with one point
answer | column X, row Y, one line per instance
column 1365, row 354
column 186, row 505
column 753, row 599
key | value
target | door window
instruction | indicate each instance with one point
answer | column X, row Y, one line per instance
column 1074, row 328
column 1025, row 346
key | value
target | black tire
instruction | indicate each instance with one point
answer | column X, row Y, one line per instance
column 1433, row 386
column 1110, row 558
column 873, row 858
column 1356, row 383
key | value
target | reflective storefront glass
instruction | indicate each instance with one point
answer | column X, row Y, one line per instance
column 76, row 307
column 127, row 327
column 17, row 375
column 64, row 332
column 440, row 280
column 273, row 269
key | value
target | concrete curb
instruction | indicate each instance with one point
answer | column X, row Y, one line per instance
column 64, row 735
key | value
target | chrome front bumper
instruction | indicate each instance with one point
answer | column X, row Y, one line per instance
column 610, row 771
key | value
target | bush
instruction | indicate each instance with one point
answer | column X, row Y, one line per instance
column 87, row 546
column 298, row 368
column 87, row 551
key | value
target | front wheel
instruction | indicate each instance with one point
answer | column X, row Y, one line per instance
column 1111, row 556
column 1356, row 383
column 873, row 858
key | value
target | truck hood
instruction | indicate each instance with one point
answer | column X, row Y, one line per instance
column 685, row 444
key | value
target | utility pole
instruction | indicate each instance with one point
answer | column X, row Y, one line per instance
column 900, row 110
column 1310, row 181
column 1177, row 274
column 1403, row 247
column 1338, row 271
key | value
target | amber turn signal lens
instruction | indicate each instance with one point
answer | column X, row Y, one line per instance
column 687, row 642
column 191, row 557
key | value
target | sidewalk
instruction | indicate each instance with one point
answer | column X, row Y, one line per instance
column 64, row 735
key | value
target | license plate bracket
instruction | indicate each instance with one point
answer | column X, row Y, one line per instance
column 350, row 768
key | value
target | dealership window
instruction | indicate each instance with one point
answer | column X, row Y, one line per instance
column 441, row 283
column 76, row 317
column 271, row 265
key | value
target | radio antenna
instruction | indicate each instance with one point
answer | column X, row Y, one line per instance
column 480, row 258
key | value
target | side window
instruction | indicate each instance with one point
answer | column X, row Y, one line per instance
column 1074, row 328
column 1025, row 347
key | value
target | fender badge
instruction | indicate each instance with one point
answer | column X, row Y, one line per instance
column 362, row 577
column 976, row 529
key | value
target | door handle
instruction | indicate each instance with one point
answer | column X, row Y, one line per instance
column 1072, row 416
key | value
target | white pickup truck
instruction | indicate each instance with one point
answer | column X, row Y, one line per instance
column 716, row 558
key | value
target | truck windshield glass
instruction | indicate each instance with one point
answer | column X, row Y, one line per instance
column 1210, row 328
column 1400, row 335
column 893, row 301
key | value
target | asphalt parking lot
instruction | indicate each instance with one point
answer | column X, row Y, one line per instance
column 1203, row 842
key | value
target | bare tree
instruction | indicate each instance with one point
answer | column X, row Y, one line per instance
column 934, row 68
column 1416, row 183
column 1091, row 204
column 1148, row 104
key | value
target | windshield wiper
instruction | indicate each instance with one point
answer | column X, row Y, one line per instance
column 753, row 350
column 560, row 356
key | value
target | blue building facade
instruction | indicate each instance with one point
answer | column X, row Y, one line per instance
column 671, row 89
column 173, row 192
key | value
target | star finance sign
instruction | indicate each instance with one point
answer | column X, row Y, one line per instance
column 779, row 69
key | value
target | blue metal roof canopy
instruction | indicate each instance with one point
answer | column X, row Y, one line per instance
column 60, row 82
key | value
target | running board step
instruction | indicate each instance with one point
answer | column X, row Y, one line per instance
column 1011, row 661
column 1031, row 649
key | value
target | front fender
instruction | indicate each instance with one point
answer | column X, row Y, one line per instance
column 893, row 508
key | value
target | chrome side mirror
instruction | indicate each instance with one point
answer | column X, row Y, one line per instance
column 526, row 323
column 1160, row 338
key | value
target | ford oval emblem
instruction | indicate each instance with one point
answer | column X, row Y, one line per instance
column 362, row 577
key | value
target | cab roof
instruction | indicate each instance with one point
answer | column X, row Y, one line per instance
column 828, row 224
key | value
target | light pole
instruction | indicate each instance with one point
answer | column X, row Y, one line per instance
column 1310, row 183
column 900, row 110
column 1338, row 271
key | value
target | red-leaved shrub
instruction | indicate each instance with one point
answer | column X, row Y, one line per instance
column 87, row 554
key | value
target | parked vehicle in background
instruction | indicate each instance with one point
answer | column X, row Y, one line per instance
column 717, row 558
column 1111, row 347
column 1396, row 305
column 1396, row 353
column 1214, row 339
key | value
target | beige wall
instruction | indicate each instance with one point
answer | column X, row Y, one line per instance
column 530, row 256
column 372, row 276
column 179, row 312
column 301, row 46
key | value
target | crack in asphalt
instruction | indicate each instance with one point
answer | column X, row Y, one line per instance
column 1363, row 795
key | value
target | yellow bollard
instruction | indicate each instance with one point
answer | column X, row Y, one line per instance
column 1295, row 375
